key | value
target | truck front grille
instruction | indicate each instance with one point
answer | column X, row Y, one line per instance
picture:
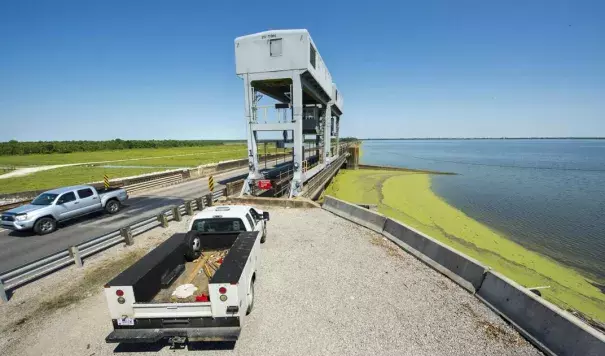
column 8, row 218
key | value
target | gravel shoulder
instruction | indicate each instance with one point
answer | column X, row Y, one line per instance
column 325, row 286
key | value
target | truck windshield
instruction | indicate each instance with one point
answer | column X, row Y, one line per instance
column 44, row 199
column 218, row 225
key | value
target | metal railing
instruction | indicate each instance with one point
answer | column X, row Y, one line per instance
column 321, row 178
column 19, row 276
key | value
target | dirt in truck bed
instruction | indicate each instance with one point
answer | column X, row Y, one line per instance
column 198, row 273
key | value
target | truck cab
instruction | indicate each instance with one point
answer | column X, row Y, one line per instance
column 230, row 218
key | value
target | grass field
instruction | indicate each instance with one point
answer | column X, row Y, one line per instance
column 66, row 176
column 160, row 157
column 408, row 197
column 135, row 161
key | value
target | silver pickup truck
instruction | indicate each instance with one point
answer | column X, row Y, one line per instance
column 61, row 204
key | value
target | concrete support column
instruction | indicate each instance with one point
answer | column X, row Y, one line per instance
column 126, row 233
column 4, row 294
column 297, row 112
column 176, row 214
column 163, row 220
column 200, row 203
column 74, row 253
column 189, row 207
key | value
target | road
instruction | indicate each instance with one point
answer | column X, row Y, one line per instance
column 19, row 248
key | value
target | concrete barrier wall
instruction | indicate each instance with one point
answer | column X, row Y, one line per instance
column 559, row 332
column 554, row 331
column 462, row 269
column 372, row 220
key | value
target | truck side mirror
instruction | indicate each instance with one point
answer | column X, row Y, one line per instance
column 266, row 215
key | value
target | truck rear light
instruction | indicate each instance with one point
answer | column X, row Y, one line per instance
column 222, row 290
column 202, row 298
column 121, row 300
column 223, row 298
column 119, row 292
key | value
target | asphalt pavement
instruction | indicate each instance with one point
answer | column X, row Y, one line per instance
column 19, row 248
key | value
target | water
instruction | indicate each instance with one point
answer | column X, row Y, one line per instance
column 547, row 195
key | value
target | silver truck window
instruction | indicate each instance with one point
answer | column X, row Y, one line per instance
column 66, row 198
column 44, row 199
column 84, row 193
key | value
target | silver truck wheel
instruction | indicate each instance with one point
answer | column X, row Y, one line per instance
column 250, row 297
column 112, row 206
column 45, row 226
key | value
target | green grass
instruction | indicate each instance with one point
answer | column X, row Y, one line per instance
column 182, row 156
column 408, row 197
column 66, row 176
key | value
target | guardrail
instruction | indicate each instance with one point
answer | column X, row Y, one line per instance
column 19, row 276
column 552, row 330
column 317, row 181
column 156, row 183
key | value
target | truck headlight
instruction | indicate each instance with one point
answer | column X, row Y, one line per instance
column 21, row 217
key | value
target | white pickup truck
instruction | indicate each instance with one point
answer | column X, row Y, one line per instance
column 214, row 264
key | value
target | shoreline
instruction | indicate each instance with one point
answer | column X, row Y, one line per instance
column 401, row 169
column 407, row 196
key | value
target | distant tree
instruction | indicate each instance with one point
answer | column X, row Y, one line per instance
column 14, row 147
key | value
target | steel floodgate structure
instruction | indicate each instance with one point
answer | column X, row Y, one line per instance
column 285, row 65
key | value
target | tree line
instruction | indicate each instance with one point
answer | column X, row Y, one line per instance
column 14, row 147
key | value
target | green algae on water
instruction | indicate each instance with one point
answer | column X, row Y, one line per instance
column 407, row 197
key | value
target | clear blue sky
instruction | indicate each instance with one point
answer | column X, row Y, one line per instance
column 165, row 69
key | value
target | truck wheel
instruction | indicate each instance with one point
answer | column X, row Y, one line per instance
column 250, row 297
column 193, row 246
column 112, row 206
column 45, row 226
column 264, row 238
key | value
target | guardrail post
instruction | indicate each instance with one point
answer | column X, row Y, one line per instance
column 163, row 220
column 209, row 199
column 200, row 203
column 126, row 233
column 176, row 214
column 74, row 253
column 3, row 293
column 189, row 207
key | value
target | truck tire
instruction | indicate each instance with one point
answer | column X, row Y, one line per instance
column 112, row 206
column 264, row 238
column 45, row 226
column 250, row 297
column 193, row 246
